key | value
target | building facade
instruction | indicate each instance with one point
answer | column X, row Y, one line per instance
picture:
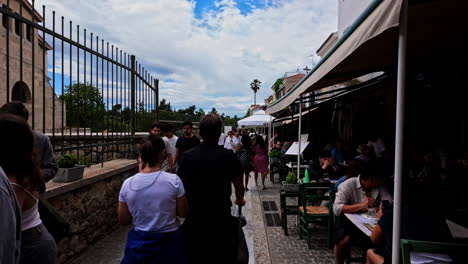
column 27, row 84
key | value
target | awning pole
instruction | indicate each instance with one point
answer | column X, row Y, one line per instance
column 399, row 137
column 269, row 138
column 299, row 138
column 273, row 131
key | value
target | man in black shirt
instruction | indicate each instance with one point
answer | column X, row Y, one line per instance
column 186, row 142
column 207, row 171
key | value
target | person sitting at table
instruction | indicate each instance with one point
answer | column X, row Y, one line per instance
column 352, row 170
column 365, row 153
column 338, row 152
column 416, row 218
column 325, row 168
column 356, row 195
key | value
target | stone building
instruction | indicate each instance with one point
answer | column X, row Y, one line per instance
column 22, row 88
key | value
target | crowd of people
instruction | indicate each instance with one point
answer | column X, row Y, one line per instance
column 191, row 178
column 252, row 151
column 156, row 199
column 362, row 180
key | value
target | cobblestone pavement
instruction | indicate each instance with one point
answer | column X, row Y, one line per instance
column 109, row 250
column 290, row 249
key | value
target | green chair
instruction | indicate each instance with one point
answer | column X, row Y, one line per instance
column 310, row 211
column 458, row 250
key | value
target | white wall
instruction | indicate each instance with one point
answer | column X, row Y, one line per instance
column 349, row 11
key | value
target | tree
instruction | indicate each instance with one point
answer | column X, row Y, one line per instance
column 231, row 121
column 255, row 86
column 200, row 112
column 214, row 111
column 276, row 87
column 188, row 111
column 247, row 114
column 116, row 109
column 141, row 107
column 166, row 106
column 84, row 106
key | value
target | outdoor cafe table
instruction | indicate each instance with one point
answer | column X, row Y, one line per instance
column 362, row 221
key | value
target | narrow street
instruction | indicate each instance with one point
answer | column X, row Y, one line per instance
column 265, row 238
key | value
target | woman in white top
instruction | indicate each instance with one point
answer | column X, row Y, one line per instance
column 17, row 160
column 151, row 201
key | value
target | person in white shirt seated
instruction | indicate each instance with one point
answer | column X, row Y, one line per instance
column 152, row 200
column 356, row 195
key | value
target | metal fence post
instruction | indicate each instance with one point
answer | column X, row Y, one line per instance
column 156, row 88
column 132, row 104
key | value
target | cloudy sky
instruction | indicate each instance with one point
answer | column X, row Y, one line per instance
column 206, row 52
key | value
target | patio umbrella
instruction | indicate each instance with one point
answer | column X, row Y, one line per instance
column 258, row 119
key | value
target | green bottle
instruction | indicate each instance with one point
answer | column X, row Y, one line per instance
column 306, row 177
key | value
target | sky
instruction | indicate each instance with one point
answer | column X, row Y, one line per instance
column 207, row 52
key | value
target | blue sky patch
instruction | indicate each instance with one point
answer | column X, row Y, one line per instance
column 245, row 6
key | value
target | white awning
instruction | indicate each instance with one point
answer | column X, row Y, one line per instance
column 359, row 51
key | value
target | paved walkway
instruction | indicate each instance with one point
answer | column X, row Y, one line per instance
column 290, row 249
column 267, row 245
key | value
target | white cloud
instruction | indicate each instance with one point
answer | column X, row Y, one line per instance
column 209, row 62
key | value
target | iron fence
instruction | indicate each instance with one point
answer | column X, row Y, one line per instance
column 88, row 95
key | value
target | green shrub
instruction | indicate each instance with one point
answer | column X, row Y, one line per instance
column 291, row 178
column 275, row 153
column 67, row 161
column 84, row 161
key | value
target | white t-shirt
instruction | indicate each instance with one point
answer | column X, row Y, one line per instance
column 165, row 165
column 231, row 143
column 221, row 139
column 171, row 145
column 151, row 200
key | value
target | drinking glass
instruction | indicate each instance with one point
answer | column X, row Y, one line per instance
column 372, row 213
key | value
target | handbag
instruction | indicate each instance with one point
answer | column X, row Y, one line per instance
column 55, row 223
column 242, row 256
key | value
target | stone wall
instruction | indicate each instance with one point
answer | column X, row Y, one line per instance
column 90, row 204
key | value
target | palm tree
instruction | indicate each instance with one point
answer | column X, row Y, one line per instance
column 255, row 86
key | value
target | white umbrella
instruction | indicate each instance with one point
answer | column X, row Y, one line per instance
column 258, row 119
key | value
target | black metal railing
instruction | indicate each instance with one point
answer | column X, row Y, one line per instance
column 87, row 95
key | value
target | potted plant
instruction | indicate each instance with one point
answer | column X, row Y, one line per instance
column 275, row 155
column 291, row 185
column 69, row 169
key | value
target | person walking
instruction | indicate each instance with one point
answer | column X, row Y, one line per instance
column 18, row 162
column 186, row 142
column 208, row 172
column 151, row 201
column 246, row 155
column 260, row 159
column 167, row 165
column 171, row 139
column 10, row 223
column 42, row 145
column 231, row 142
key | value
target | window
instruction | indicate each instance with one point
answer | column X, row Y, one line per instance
column 21, row 92
column 18, row 28
column 29, row 32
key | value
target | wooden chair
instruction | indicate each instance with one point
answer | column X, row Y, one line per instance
column 458, row 250
column 310, row 211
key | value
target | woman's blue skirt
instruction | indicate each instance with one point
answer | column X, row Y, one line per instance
column 149, row 247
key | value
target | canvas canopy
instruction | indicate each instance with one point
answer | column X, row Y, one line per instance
column 258, row 119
